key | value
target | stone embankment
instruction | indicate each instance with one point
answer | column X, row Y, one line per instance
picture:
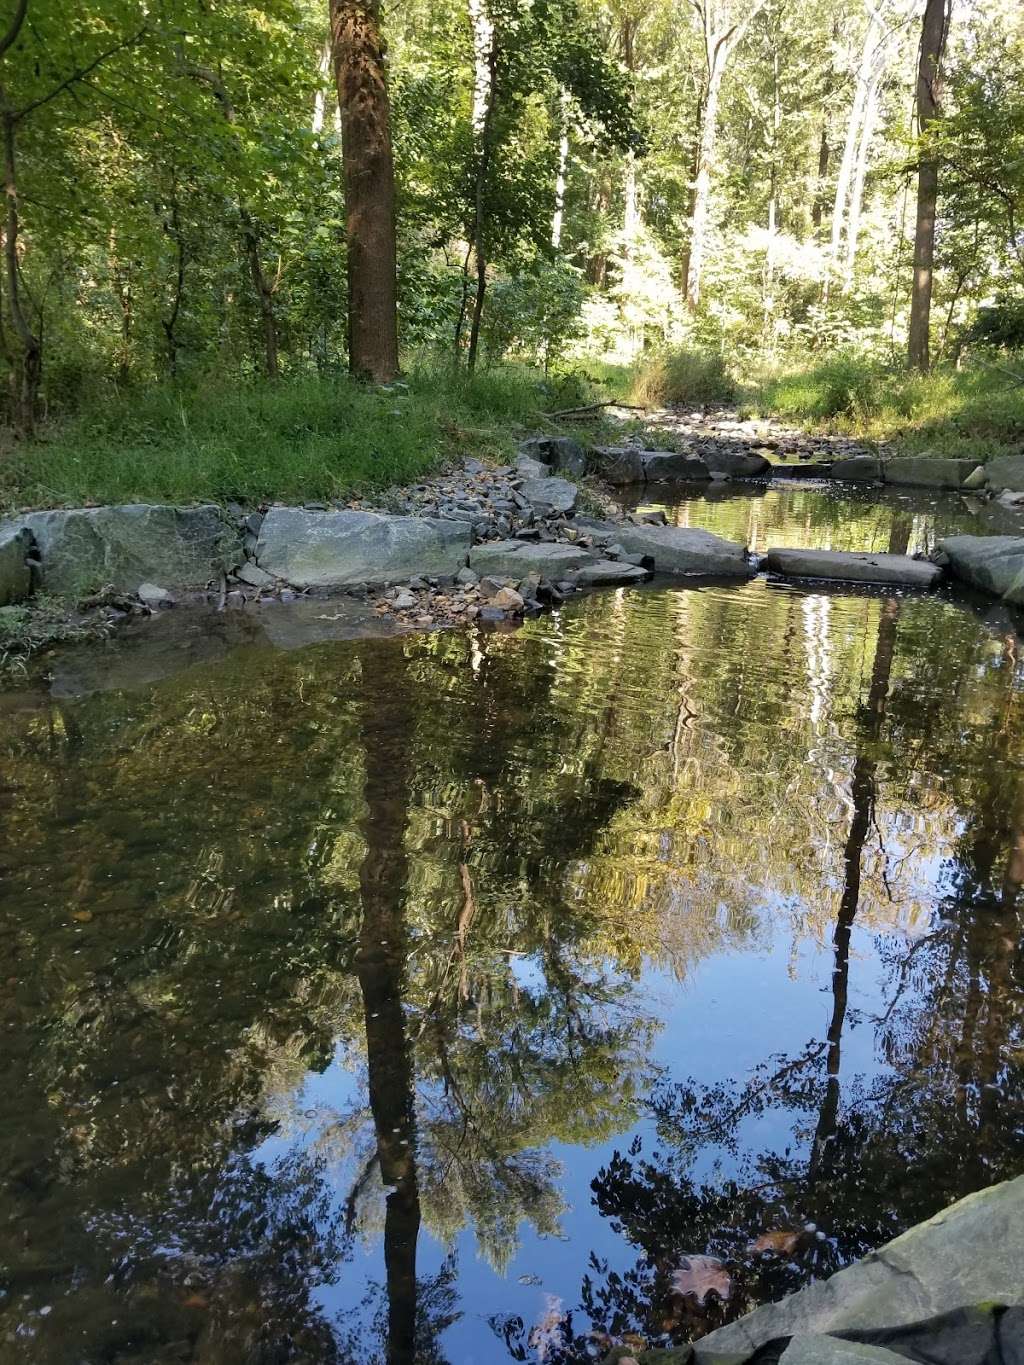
column 488, row 543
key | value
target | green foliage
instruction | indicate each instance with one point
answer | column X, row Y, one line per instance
column 683, row 376
column 535, row 314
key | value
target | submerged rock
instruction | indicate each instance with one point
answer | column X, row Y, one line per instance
column 84, row 549
column 853, row 567
column 15, row 575
column 993, row 563
column 334, row 549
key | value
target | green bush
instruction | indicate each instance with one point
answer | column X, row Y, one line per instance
column 683, row 376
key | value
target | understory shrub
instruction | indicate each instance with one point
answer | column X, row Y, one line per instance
column 683, row 375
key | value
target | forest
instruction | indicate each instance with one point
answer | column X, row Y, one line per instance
column 215, row 212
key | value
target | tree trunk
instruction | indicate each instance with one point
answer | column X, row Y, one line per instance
column 27, row 363
column 369, row 177
column 264, row 294
column 929, row 92
column 867, row 132
column 558, row 220
column 702, row 190
column 485, row 48
column 824, row 152
column 850, row 144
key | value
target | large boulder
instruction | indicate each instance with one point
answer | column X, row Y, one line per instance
column 550, row 496
column 1006, row 471
column 620, row 465
column 15, row 575
column 927, row 471
column 993, row 563
column 332, row 549
column 853, row 567
column 858, row 469
column 971, row 1253
column 676, row 549
column 560, row 452
column 122, row 547
column 520, row 558
column 735, row 464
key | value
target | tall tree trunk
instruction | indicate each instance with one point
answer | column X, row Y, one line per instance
column 558, row 220
column 485, row 94
column 867, row 132
column 369, row 177
column 929, row 93
column 265, row 289
column 27, row 362
column 847, row 164
column 380, row 967
column 824, row 153
column 170, row 323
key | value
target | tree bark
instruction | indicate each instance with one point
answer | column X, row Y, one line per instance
column 369, row 178
column 929, row 93
column 558, row 220
column 485, row 93
column 867, row 132
column 851, row 142
column 28, row 365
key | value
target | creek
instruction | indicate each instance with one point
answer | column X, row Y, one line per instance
column 431, row 998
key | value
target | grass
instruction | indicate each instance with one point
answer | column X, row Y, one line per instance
column 683, row 375
column 976, row 412
column 27, row 629
column 299, row 439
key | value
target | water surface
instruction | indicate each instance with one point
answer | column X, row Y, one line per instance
column 432, row 998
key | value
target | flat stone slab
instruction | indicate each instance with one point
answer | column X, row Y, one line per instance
column 519, row 558
column 85, row 549
column 971, row 1253
column 736, row 464
column 858, row 469
column 924, row 471
column 1006, row 471
column 853, row 567
column 332, row 549
column 550, row 496
column 993, row 563
column 15, row 575
column 813, row 469
column 610, row 571
column 677, row 549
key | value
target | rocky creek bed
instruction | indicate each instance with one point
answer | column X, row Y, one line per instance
column 493, row 543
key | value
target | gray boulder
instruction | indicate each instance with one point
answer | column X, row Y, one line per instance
column 993, row 563
column 89, row 548
column 15, row 575
column 660, row 466
column 560, row 452
column 605, row 572
column 677, row 549
column 619, row 465
column 970, row 1253
column 735, row 464
column 926, row 471
column 858, row 469
column 1006, row 471
column 832, row 1351
column 551, row 496
column 529, row 468
column 333, row 549
column 519, row 558
column 853, row 567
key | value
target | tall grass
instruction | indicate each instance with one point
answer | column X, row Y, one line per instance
column 683, row 375
column 975, row 412
column 300, row 439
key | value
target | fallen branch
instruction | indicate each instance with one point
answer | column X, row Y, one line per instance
column 595, row 407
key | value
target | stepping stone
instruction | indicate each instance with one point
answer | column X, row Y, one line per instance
column 853, row 567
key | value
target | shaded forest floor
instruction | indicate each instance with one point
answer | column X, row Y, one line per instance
column 325, row 439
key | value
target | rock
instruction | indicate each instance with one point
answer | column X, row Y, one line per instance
column 255, row 576
column 736, row 464
column 678, row 549
column 403, row 601
column 508, row 599
column 561, row 452
column 332, row 549
column 492, row 614
column 518, row 558
column 1006, row 471
column 15, row 574
column 971, row 1253
column 529, row 468
column 993, row 563
column 607, row 571
column 926, row 471
column 1008, row 498
column 976, row 479
column 812, row 470
column 832, row 1351
column 661, row 466
column 619, row 465
column 154, row 597
column 467, row 576
column 121, row 547
column 858, row 469
column 853, row 567
column 550, row 496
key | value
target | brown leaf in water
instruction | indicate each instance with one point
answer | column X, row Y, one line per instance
column 81, row 916
column 699, row 1276
column 783, row 1243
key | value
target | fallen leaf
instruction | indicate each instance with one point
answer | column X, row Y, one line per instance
column 81, row 916
column 699, row 1276
column 782, row 1243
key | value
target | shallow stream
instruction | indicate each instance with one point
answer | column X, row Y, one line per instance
column 433, row 998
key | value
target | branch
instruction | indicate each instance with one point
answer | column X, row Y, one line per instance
column 594, row 407
column 82, row 72
column 11, row 36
